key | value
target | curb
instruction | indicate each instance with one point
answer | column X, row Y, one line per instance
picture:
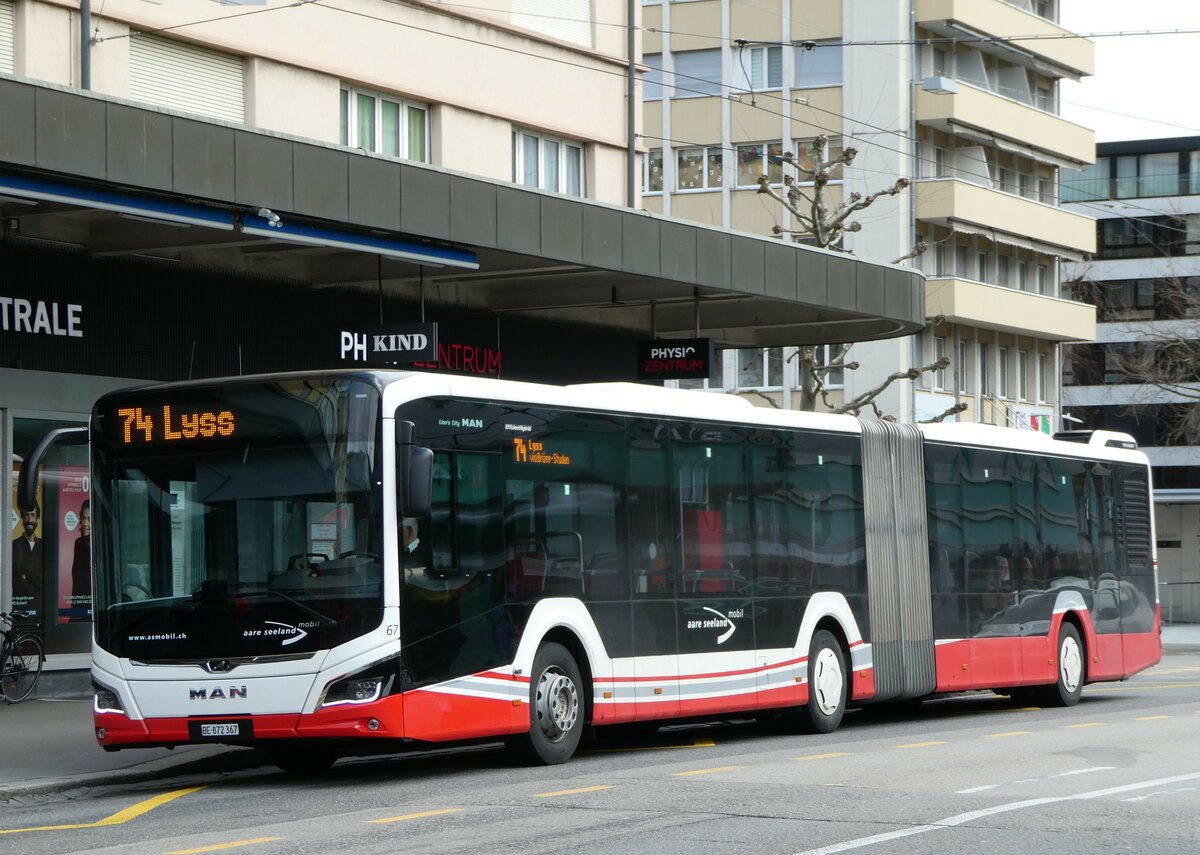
column 201, row 760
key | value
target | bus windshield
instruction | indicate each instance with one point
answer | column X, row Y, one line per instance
column 237, row 521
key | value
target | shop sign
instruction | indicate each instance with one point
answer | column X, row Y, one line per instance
column 41, row 317
column 391, row 344
column 675, row 359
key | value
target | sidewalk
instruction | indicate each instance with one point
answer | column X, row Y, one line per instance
column 48, row 745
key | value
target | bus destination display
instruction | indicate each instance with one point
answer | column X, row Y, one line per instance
column 148, row 425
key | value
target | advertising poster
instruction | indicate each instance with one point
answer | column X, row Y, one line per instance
column 28, row 557
column 74, row 532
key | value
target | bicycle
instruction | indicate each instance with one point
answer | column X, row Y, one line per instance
column 21, row 658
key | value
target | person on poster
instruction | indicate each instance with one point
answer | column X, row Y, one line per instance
column 27, row 555
column 414, row 559
column 81, row 566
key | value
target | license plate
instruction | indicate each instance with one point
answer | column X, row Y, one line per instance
column 220, row 729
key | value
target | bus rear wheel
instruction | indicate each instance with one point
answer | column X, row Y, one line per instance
column 555, row 709
column 827, row 685
column 1072, row 670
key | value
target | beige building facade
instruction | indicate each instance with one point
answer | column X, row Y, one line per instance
column 958, row 96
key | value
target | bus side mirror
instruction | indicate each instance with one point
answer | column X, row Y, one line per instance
column 414, row 473
column 27, row 479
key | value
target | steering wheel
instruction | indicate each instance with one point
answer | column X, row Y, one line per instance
column 359, row 553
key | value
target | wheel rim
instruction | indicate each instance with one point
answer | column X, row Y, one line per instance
column 557, row 704
column 827, row 681
column 1070, row 664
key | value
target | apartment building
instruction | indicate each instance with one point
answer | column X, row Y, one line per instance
column 960, row 97
column 1143, row 278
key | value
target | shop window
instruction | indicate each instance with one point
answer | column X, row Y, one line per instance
column 50, row 560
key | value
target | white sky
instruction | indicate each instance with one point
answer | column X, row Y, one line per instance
column 1144, row 86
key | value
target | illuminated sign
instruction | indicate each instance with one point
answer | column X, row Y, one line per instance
column 675, row 359
column 139, row 425
column 389, row 345
column 465, row 358
column 534, row 451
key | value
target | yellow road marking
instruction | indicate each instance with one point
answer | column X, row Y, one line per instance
column 706, row 771
column 219, row 846
column 1004, row 735
column 1150, row 717
column 922, row 744
column 1084, row 724
column 1143, row 687
column 420, row 815
column 595, row 789
column 700, row 742
column 118, row 818
column 1157, row 672
column 828, row 756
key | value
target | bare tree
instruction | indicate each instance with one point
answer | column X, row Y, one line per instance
column 1163, row 357
column 817, row 222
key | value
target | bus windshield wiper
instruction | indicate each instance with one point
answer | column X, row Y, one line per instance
column 324, row 620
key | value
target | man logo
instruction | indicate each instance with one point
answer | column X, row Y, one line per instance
column 217, row 694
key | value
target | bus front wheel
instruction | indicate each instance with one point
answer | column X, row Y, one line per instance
column 555, row 708
column 827, row 684
column 1072, row 670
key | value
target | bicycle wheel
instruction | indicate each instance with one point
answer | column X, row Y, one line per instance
column 20, row 668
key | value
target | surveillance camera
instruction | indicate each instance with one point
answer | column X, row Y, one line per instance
column 271, row 217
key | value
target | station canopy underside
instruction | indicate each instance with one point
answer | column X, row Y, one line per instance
column 116, row 181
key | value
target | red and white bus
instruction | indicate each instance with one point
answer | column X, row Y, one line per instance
column 347, row 563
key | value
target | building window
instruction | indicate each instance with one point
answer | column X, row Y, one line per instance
column 652, row 80
column 385, row 124
column 755, row 159
column 759, row 368
column 697, row 73
column 939, row 352
column 1043, row 378
column 1002, row 376
column 1002, row 270
column 652, row 179
column 826, row 354
column 985, row 373
column 806, row 155
column 548, row 163
column 181, row 76
column 960, row 370
column 818, row 64
column 700, row 168
column 1089, row 184
column 981, row 266
column 763, row 67
column 1023, row 375
column 715, row 378
column 8, row 30
column 1023, row 275
column 1043, row 279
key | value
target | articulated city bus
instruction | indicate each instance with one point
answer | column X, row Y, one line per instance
column 347, row 563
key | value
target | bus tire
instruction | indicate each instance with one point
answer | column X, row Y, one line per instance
column 556, row 709
column 827, row 684
column 1071, row 668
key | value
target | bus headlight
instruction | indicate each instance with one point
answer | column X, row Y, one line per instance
column 353, row 690
column 106, row 700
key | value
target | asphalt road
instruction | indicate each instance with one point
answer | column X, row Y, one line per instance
column 1118, row 773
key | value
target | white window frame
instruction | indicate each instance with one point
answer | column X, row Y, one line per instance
column 758, row 67
column 939, row 374
column 709, row 182
column 773, row 171
column 763, row 354
column 350, row 97
column 561, row 178
column 985, row 374
column 1043, row 379
column 1002, row 374
column 835, row 378
column 648, row 172
column 961, row 374
column 1023, row 375
column 8, row 37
